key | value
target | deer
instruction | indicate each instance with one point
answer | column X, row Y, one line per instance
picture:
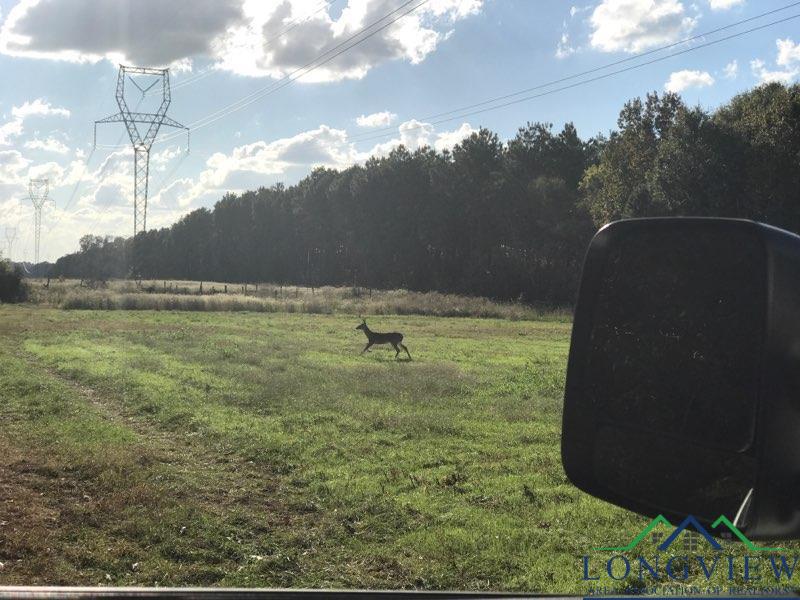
column 373, row 337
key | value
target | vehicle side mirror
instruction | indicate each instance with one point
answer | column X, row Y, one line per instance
column 683, row 382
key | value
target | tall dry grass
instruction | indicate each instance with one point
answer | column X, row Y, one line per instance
column 186, row 296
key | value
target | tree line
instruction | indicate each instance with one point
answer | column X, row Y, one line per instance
column 505, row 220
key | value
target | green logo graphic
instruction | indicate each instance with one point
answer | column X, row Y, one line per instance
column 692, row 522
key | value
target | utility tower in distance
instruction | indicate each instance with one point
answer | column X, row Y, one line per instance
column 11, row 235
column 151, row 122
column 37, row 191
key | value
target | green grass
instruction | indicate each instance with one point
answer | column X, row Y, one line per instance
column 242, row 449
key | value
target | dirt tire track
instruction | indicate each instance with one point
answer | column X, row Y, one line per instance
column 38, row 498
column 172, row 448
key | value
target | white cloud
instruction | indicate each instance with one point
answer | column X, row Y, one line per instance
column 258, row 48
column 38, row 108
column 636, row 25
column 78, row 170
column 248, row 165
column 247, row 37
column 262, row 162
column 564, row 48
column 160, row 160
column 447, row 139
column 731, row 70
column 12, row 167
column 681, row 80
column 788, row 59
column 323, row 146
column 129, row 31
column 48, row 145
column 765, row 75
column 102, row 202
column 378, row 119
column 415, row 134
column 725, row 4
column 10, row 129
column 49, row 170
column 788, row 53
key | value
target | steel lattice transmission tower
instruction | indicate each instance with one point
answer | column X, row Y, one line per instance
column 11, row 235
column 141, row 143
column 37, row 191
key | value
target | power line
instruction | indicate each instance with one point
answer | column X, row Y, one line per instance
column 462, row 115
column 86, row 164
column 296, row 22
column 290, row 26
column 169, row 174
column 79, row 181
column 308, row 67
column 594, row 69
column 607, row 75
column 316, row 63
column 288, row 79
column 312, row 65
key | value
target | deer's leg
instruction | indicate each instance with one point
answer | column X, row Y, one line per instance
column 406, row 349
column 397, row 350
column 366, row 347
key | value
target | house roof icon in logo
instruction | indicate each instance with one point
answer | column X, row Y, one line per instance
column 723, row 520
column 688, row 524
column 690, row 521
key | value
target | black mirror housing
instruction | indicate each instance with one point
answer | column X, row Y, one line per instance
column 683, row 382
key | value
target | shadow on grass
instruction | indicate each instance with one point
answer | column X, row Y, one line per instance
column 380, row 358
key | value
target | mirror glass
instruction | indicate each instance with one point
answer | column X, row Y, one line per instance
column 673, row 363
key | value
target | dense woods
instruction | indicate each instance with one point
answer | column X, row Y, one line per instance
column 503, row 220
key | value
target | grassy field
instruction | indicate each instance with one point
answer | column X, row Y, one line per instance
column 242, row 449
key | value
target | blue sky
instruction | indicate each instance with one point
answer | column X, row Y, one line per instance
column 60, row 58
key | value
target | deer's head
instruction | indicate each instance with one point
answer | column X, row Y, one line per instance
column 363, row 325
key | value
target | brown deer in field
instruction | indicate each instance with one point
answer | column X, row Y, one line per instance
column 373, row 337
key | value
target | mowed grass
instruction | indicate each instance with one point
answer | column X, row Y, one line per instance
column 241, row 449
